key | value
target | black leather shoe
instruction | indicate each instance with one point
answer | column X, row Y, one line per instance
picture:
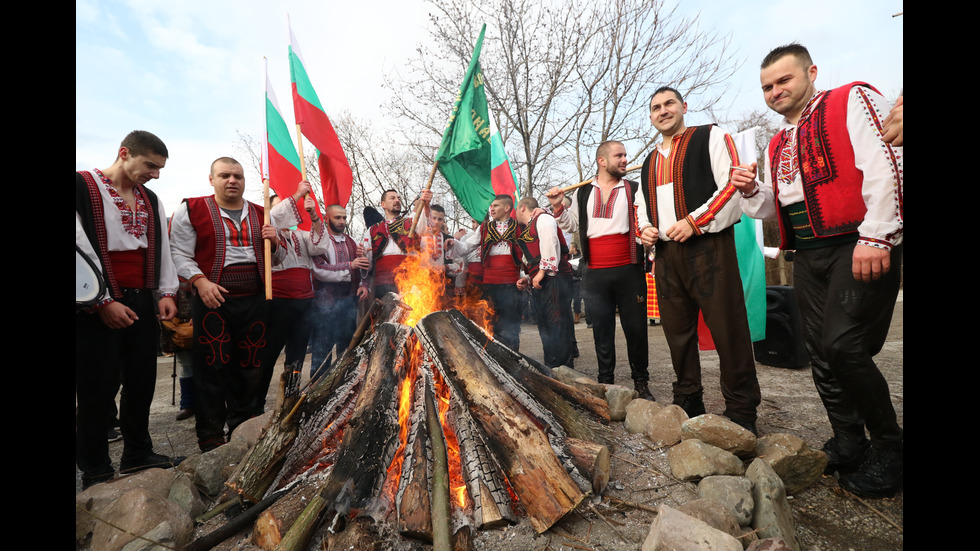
column 154, row 460
column 89, row 481
column 185, row 413
column 643, row 390
column 880, row 475
column 746, row 423
column 692, row 404
column 845, row 453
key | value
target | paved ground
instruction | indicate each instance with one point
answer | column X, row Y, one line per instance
column 827, row 519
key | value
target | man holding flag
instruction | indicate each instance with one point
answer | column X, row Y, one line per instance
column 387, row 243
column 685, row 210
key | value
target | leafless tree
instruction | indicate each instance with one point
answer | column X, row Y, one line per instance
column 561, row 77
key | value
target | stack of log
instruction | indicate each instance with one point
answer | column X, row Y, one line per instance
column 475, row 416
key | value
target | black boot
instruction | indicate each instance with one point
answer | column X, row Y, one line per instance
column 692, row 404
column 880, row 475
column 845, row 453
column 643, row 391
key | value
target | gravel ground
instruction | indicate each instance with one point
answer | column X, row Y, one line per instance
column 826, row 517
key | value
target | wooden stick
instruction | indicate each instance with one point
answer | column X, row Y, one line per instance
column 640, row 506
column 418, row 209
column 267, row 263
column 441, row 509
column 590, row 180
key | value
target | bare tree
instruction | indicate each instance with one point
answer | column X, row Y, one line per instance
column 561, row 77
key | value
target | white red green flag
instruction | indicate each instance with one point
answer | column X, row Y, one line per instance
column 280, row 162
column 336, row 177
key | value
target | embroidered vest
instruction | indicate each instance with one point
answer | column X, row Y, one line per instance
column 691, row 173
column 825, row 156
column 384, row 231
column 88, row 205
column 584, row 192
column 212, row 244
column 531, row 247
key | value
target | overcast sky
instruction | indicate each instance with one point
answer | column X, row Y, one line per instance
column 191, row 71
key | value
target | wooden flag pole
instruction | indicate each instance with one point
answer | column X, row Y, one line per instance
column 590, row 180
column 267, row 263
column 418, row 209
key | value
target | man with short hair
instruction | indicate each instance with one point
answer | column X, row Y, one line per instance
column 500, row 259
column 387, row 243
column 549, row 277
column 603, row 214
column 121, row 226
column 685, row 210
column 338, row 276
column 218, row 250
column 836, row 189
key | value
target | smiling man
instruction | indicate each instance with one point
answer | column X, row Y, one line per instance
column 121, row 226
column 837, row 190
column 685, row 210
column 218, row 250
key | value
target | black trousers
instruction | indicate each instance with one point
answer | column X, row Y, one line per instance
column 289, row 328
column 701, row 274
column 332, row 322
column 506, row 302
column 553, row 305
column 229, row 343
column 103, row 358
column 623, row 288
column 846, row 322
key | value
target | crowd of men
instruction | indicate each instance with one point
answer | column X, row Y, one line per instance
column 832, row 182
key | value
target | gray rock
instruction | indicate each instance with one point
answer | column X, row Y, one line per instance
column 138, row 512
column 618, row 397
column 97, row 498
column 694, row 459
column 721, row 432
column 161, row 539
column 639, row 413
column 733, row 492
column 772, row 516
column 185, row 494
column 715, row 514
column 250, row 431
column 665, row 427
column 213, row 468
column 792, row 459
column 673, row 530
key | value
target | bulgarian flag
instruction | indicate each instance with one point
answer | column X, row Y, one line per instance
column 474, row 168
column 336, row 177
column 280, row 162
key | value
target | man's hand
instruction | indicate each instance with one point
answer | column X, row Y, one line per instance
column 681, row 231
column 168, row 308
column 302, row 190
column 555, row 197
column 210, row 293
column 744, row 180
column 426, row 195
column 538, row 278
column 310, row 205
column 522, row 283
column 362, row 293
column 269, row 232
column 460, row 234
column 360, row 263
column 117, row 315
column 893, row 124
column 649, row 236
column 870, row 263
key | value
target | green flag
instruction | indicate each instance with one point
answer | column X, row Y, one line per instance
column 465, row 154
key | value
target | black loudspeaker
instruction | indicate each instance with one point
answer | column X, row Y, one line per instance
column 783, row 345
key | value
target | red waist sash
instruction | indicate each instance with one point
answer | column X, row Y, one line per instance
column 499, row 269
column 384, row 269
column 292, row 283
column 129, row 267
column 609, row 251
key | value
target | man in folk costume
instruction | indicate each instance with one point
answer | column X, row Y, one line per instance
column 686, row 210
column 217, row 248
column 500, row 260
column 337, row 286
column 442, row 248
column 549, row 277
column 292, row 287
column 120, row 225
column 387, row 243
column 836, row 189
column 604, row 216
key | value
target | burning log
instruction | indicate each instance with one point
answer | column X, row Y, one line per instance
column 515, row 430
column 592, row 460
column 370, row 441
